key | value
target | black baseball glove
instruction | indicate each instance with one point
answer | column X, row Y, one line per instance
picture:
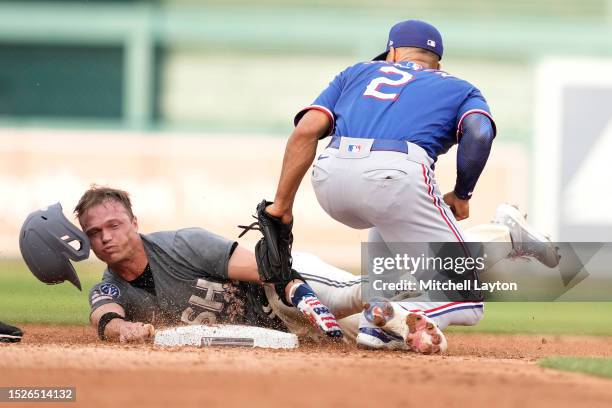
column 273, row 251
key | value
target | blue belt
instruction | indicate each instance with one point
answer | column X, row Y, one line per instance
column 379, row 145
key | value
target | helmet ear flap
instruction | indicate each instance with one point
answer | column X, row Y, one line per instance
column 48, row 241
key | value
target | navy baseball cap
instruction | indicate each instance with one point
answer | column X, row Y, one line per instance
column 414, row 33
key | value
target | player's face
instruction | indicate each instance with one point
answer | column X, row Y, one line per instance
column 112, row 233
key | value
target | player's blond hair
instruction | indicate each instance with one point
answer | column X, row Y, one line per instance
column 98, row 194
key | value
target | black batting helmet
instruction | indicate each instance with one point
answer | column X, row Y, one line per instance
column 48, row 241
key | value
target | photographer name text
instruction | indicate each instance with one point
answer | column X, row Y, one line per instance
column 437, row 285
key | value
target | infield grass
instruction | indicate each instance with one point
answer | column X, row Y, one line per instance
column 601, row 367
column 23, row 299
column 580, row 318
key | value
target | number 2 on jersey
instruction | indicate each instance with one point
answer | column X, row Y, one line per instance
column 376, row 83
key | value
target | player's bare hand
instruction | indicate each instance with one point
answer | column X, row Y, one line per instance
column 277, row 211
column 459, row 207
column 136, row 332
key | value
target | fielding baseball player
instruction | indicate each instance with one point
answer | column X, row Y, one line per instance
column 389, row 119
column 192, row 276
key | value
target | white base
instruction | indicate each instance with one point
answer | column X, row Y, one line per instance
column 225, row 335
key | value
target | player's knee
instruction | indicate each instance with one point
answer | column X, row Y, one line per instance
column 468, row 317
column 475, row 316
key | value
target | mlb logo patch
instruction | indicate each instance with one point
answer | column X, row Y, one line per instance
column 354, row 147
column 431, row 43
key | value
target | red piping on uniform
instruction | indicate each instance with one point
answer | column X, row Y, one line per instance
column 327, row 112
column 433, row 199
column 443, row 307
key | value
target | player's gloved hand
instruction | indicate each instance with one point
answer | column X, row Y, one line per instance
column 303, row 297
column 136, row 332
column 459, row 207
column 273, row 251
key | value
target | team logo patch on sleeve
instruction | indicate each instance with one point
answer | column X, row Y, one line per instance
column 110, row 290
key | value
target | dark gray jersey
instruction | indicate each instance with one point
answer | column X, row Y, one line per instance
column 189, row 269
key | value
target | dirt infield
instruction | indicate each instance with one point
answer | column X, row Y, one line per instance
column 496, row 370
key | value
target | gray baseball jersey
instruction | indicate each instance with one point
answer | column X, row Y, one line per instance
column 189, row 269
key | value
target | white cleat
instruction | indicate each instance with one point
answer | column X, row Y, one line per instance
column 370, row 335
column 526, row 241
column 420, row 333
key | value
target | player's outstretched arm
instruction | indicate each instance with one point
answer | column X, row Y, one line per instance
column 299, row 154
column 109, row 321
column 242, row 266
column 477, row 134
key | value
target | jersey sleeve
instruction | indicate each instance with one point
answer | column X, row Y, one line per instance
column 205, row 251
column 108, row 291
column 138, row 305
column 473, row 103
column 326, row 102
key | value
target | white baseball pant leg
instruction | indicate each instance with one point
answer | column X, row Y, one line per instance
column 396, row 196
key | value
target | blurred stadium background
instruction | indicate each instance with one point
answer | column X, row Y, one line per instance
column 187, row 104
